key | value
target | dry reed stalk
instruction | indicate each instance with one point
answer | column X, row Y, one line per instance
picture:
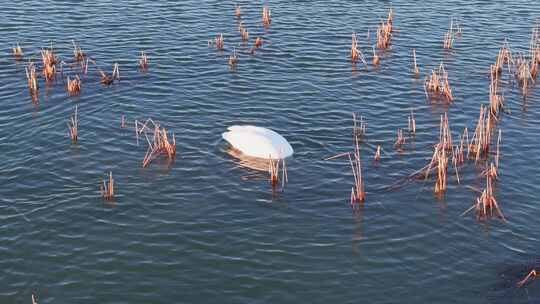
column 486, row 204
column 415, row 65
column 273, row 170
column 233, row 59
column 437, row 85
column 449, row 36
column 359, row 127
column 497, row 156
column 108, row 80
column 74, row 85
column 258, row 42
column 73, row 126
column 376, row 58
column 523, row 74
column 400, row 141
column 18, row 52
column 78, row 54
column 31, row 76
column 531, row 276
column 384, row 32
column 266, row 16
column 48, row 57
column 356, row 54
column 491, row 172
column 160, row 144
column 496, row 99
column 445, row 135
column 244, row 33
column 412, row 123
column 143, row 61
column 357, row 191
column 481, row 139
column 237, row 11
column 378, row 153
column 107, row 188
column 442, row 168
column 220, row 42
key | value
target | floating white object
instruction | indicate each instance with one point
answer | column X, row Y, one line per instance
column 258, row 142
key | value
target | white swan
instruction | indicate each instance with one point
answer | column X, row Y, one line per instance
column 258, row 142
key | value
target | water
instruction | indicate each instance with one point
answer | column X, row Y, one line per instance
column 196, row 231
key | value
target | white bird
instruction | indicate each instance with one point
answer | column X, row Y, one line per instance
column 258, row 142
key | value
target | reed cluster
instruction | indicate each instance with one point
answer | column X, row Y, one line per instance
column 400, row 141
column 160, row 144
column 359, row 127
column 107, row 188
column 449, row 36
column 496, row 98
column 143, row 61
column 108, row 80
column 78, row 54
column 243, row 32
column 358, row 194
column 31, row 76
column 73, row 86
column 481, row 139
column 356, row 54
column 437, row 85
column 384, row 32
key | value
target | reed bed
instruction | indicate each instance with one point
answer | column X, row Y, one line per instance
column 438, row 86
column 273, row 170
column 486, row 205
column 143, row 61
column 356, row 54
column 528, row 278
column 160, row 144
column 73, row 86
column 108, row 80
column 73, row 126
column 266, row 16
column 18, row 52
column 107, row 188
column 384, row 32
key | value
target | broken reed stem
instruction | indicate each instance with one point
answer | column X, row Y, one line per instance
column 107, row 188
column 18, row 52
column 415, row 65
column 220, row 42
column 412, row 123
column 73, row 126
column 266, row 16
column 108, row 80
column 376, row 58
column 530, row 276
column 378, row 153
column 359, row 127
column 449, row 36
column 356, row 54
column 273, row 170
column 143, row 61
column 233, row 59
column 34, row 300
